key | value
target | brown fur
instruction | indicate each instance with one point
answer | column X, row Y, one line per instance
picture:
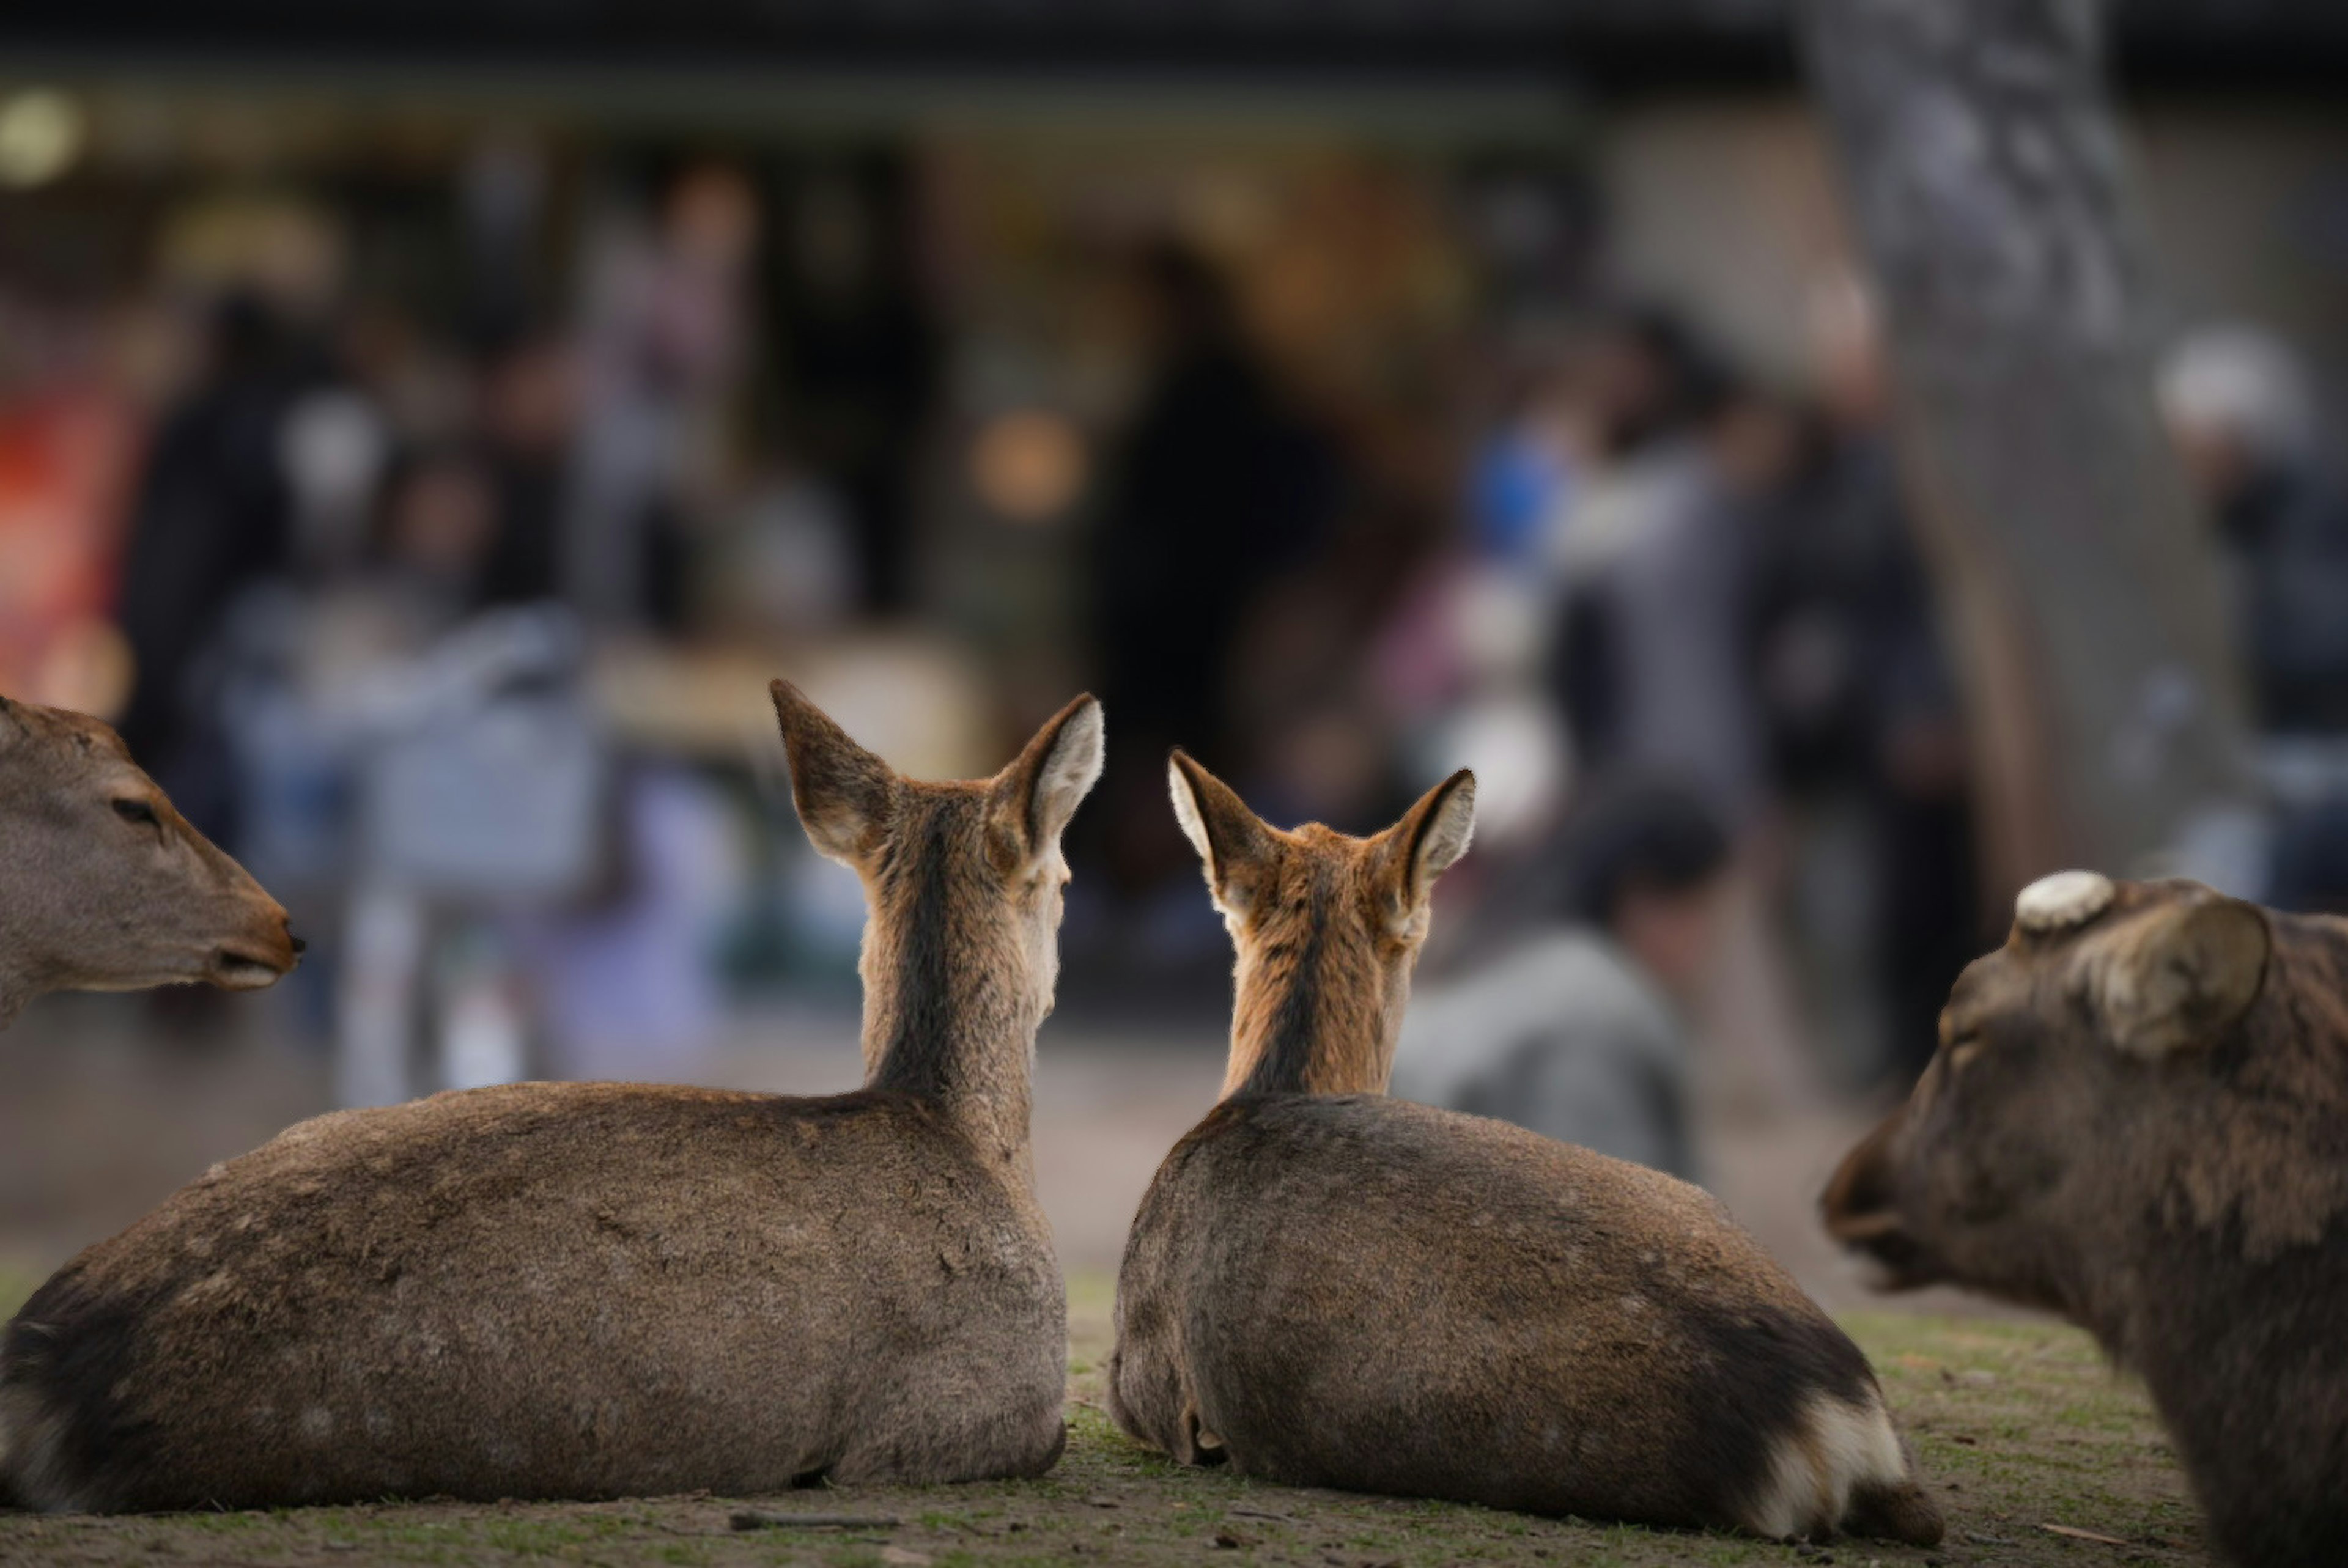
column 1328, row 1287
column 91, row 900
column 584, row 1290
column 2140, row 1120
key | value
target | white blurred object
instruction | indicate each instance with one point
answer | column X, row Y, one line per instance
column 2241, row 384
column 374, row 1021
column 2227, row 844
column 486, row 780
column 1498, row 623
column 332, row 447
column 1522, row 757
column 483, row 1027
column 41, row 133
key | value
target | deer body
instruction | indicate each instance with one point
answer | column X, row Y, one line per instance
column 1329, row 1287
column 589, row 1290
column 103, row 886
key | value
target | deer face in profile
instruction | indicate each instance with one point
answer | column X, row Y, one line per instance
column 103, row 886
column 1327, row 929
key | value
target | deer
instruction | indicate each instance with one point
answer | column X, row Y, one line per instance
column 104, row 886
column 589, row 1290
column 1326, row 1286
column 2138, row 1118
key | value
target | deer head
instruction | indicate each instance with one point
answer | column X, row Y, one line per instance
column 103, row 886
column 964, row 881
column 1327, row 929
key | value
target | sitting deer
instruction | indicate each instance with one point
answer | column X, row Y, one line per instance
column 594, row 1289
column 1328, row 1287
column 2138, row 1117
column 103, row 887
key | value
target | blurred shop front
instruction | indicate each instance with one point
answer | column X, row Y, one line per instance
column 945, row 395
column 444, row 393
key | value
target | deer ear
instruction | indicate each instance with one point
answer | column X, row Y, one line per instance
column 1233, row 845
column 844, row 794
column 2176, row 975
column 1430, row 838
column 1040, row 790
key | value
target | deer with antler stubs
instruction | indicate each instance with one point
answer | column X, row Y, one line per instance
column 103, row 886
column 594, row 1289
column 1326, row 1286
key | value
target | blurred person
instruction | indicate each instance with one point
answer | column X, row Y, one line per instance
column 857, row 352
column 1573, row 1020
column 527, row 413
column 422, row 767
column 1656, row 573
column 1658, row 561
column 1863, row 714
column 661, row 346
column 2238, row 407
column 1218, row 490
column 298, row 650
column 212, row 515
column 1525, row 469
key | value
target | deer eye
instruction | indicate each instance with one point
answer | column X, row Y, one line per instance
column 130, row 809
column 1962, row 1050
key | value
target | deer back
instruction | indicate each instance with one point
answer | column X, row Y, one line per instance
column 552, row 1290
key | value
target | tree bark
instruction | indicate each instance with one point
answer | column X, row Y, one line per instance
column 1985, row 180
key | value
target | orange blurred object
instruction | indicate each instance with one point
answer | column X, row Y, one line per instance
column 62, row 457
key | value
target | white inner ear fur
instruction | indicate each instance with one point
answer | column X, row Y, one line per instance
column 1186, row 812
column 1446, row 837
column 1227, row 900
column 2063, row 899
column 1069, row 774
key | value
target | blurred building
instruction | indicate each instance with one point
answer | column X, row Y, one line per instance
column 854, row 339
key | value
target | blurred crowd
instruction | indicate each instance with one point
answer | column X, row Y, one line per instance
column 354, row 563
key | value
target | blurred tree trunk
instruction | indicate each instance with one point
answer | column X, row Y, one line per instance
column 1986, row 187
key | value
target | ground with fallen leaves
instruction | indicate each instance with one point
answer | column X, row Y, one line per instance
column 2038, row 1454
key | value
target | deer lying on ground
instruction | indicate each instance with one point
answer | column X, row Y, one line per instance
column 2139, row 1118
column 589, row 1290
column 1328, row 1287
column 103, row 887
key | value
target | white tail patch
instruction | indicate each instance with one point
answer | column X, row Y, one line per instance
column 1832, row 1451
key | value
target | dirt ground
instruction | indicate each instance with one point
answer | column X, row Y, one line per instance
column 2023, row 1431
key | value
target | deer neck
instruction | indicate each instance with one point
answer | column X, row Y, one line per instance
column 950, row 1017
column 1306, row 1019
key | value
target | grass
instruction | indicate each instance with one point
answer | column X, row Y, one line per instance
column 2016, row 1426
